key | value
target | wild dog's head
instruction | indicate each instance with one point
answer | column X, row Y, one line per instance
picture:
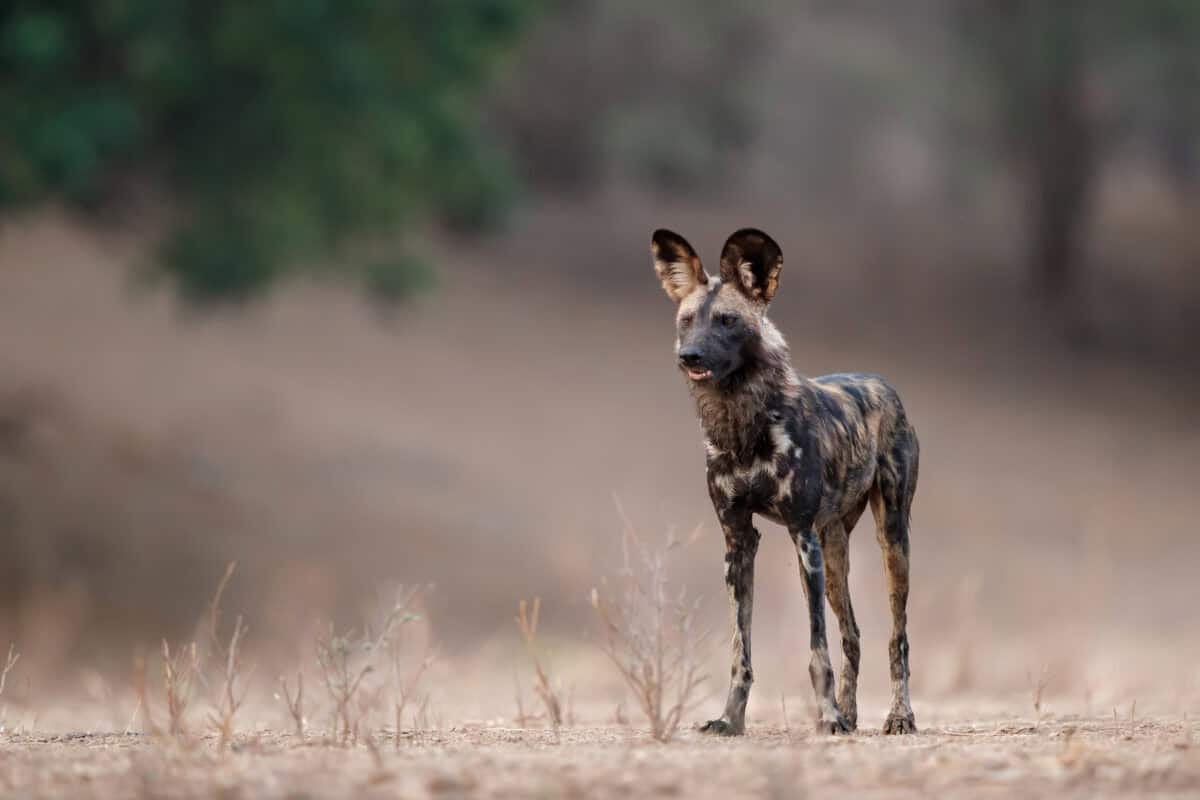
column 721, row 322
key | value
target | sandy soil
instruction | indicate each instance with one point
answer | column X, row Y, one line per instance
column 999, row 756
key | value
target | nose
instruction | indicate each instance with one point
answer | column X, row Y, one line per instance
column 689, row 356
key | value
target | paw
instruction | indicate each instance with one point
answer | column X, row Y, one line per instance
column 721, row 727
column 898, row 722
column 831, row 727
column 849, row 714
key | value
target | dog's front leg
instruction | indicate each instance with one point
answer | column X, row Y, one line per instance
column 820, row 669
column 741, row 545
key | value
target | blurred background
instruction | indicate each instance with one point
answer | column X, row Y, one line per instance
column 360, row 292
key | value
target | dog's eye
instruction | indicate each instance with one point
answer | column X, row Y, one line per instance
column 685, row 322
column 726, row 320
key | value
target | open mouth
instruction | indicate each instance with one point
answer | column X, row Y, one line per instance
column 699, row 374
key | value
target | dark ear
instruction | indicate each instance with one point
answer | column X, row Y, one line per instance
column 676, row 264
column 752, row 261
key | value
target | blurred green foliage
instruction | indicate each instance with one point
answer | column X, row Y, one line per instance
column 289, row 131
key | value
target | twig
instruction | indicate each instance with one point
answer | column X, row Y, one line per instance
column 295, row 704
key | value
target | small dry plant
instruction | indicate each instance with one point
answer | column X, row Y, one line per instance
column 650, row 632
column 346, row 660
column 9, row 662
column 186, row 667
column 231, row 691
column 547, row 690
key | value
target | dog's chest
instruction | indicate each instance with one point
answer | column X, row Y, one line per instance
column 763, row 477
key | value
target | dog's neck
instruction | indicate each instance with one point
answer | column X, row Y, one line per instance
column 735, row 413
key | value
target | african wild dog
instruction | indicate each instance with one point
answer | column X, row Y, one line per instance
column 805, row 453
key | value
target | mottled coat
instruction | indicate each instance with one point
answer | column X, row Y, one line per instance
column 809, row 454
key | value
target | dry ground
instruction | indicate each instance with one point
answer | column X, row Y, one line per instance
column 999, row 756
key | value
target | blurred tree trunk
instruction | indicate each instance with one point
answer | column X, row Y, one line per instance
column 1034, row 56
column 1061, row 152
column 1180, row 129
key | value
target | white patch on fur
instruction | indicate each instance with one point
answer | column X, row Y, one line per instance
column 771, row 337
column 806, row 553
column 780, row 438
column 724, row 482
column 805, row 558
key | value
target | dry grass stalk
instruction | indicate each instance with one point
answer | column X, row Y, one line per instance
column 406, row 680
column 210, row 623
column 232, row 693
column 179, row 673
column 1037, row 689
column 295, row 703
column 406, row 687
column 143, row 700
column 550, row 694
column 228, row 691
column 523, row 718
column 9, row 662
column 650, row 633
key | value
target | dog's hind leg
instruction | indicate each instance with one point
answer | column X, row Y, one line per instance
column 835, row 544
column 891, row 500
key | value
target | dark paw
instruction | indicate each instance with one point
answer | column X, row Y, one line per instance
column 831, row 727
column 720, row 727
column 899, row 723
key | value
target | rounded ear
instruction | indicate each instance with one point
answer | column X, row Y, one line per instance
column 751, row 260
column 676, row 264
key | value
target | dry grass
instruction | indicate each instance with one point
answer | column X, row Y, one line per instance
column 548, row 691
column 651, row 634
column 186, row 668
